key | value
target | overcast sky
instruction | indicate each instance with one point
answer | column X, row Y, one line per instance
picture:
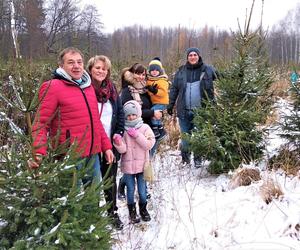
column 220, row 14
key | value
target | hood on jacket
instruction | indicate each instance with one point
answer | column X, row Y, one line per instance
column 60, row 73
column 128, row 77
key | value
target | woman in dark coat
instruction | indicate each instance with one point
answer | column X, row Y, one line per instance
column 134, row 88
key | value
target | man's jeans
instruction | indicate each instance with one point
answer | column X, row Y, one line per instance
column 186, row 125
column 130, row 185
column 92, row 173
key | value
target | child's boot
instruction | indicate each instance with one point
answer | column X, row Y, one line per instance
column 132, row 214
column 156, row 132
column 162, row 132
column 143, row 212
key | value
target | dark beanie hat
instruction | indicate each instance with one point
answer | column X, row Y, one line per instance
column 192, row 49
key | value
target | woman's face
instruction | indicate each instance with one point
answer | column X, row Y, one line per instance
column 140, row 77
column 99, row 71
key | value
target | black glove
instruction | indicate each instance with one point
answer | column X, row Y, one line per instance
column 170, row 111
column 153, row 88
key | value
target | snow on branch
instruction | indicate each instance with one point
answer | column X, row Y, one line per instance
column 13, row 126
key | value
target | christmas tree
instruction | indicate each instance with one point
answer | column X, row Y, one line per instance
column 44, row 208
column 291, row 122
column 226, row 132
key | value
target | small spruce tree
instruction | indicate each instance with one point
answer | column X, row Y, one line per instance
column 226, row 132
column 291, row 122
column 43, row 208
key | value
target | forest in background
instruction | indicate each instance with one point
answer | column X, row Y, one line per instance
column 39, row 208
column 44, row 27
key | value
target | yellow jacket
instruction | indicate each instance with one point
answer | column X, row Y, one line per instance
column 162, row 95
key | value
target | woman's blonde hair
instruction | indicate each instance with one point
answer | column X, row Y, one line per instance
column 92, row 61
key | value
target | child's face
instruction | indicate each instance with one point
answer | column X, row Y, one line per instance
column 154, row 73
column 131, row 117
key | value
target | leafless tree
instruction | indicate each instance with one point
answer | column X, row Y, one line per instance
column 60, row 21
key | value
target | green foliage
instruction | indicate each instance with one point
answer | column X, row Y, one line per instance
column 226, row 133
column 226, row 136
column 19, row 83
column 42, row 208
column 291, row 122
column 45, row 208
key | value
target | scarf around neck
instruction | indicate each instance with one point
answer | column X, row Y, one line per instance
column 136, row 90
column 62, row 74
column 137, row 123
column 104, row 91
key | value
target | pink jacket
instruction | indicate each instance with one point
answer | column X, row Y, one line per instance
column 135, row 151
column 72, row 112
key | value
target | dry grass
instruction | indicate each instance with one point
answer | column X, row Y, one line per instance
column 270, row 190
column 272, row 118
column 280, row 87
column 172, row 128
column 244, row 177
column 287, row 160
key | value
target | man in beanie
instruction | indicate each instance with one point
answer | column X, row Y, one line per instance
column 192, row 86
column 158, row 88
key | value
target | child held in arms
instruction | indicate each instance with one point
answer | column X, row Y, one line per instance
column 158, row 86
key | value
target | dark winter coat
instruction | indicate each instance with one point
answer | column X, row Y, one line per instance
column 191, row 73
column 67, row 112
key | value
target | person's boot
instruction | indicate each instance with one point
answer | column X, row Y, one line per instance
column 121, row 189
column 143, row 212
column 132, row 214
column 117, row 223
column 197, row 161
column 185, row 156
column 162, row 132
column 156, row 132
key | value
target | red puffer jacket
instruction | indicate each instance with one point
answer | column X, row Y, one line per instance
column 71, row 112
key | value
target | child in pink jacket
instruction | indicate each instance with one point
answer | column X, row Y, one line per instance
column 134, row 148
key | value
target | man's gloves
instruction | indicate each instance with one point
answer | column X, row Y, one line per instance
column 170, row 111
column 152, row 88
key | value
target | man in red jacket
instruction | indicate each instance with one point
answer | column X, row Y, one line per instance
column 68, row 114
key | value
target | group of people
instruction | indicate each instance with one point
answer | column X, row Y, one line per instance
column 83, row 108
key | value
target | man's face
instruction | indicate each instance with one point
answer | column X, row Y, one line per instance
column 73, row 65
column 193, row 57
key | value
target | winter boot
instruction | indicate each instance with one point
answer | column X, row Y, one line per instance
column 185, row 156
column 162, row 132
column 117, row 223
column 156, row 132
column 148, row 196
column 121, row 189
column 197, row 161
column 143, row 212
column 132, row 214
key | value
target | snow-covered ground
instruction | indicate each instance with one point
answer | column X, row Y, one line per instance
column 192, row 209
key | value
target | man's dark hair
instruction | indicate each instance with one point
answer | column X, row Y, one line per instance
column 68, row 50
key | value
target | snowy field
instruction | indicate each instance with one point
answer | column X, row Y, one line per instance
column 192, row 209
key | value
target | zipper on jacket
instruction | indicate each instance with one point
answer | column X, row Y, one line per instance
column 91, row 120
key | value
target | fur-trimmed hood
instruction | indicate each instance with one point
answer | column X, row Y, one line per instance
column 128, row 77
